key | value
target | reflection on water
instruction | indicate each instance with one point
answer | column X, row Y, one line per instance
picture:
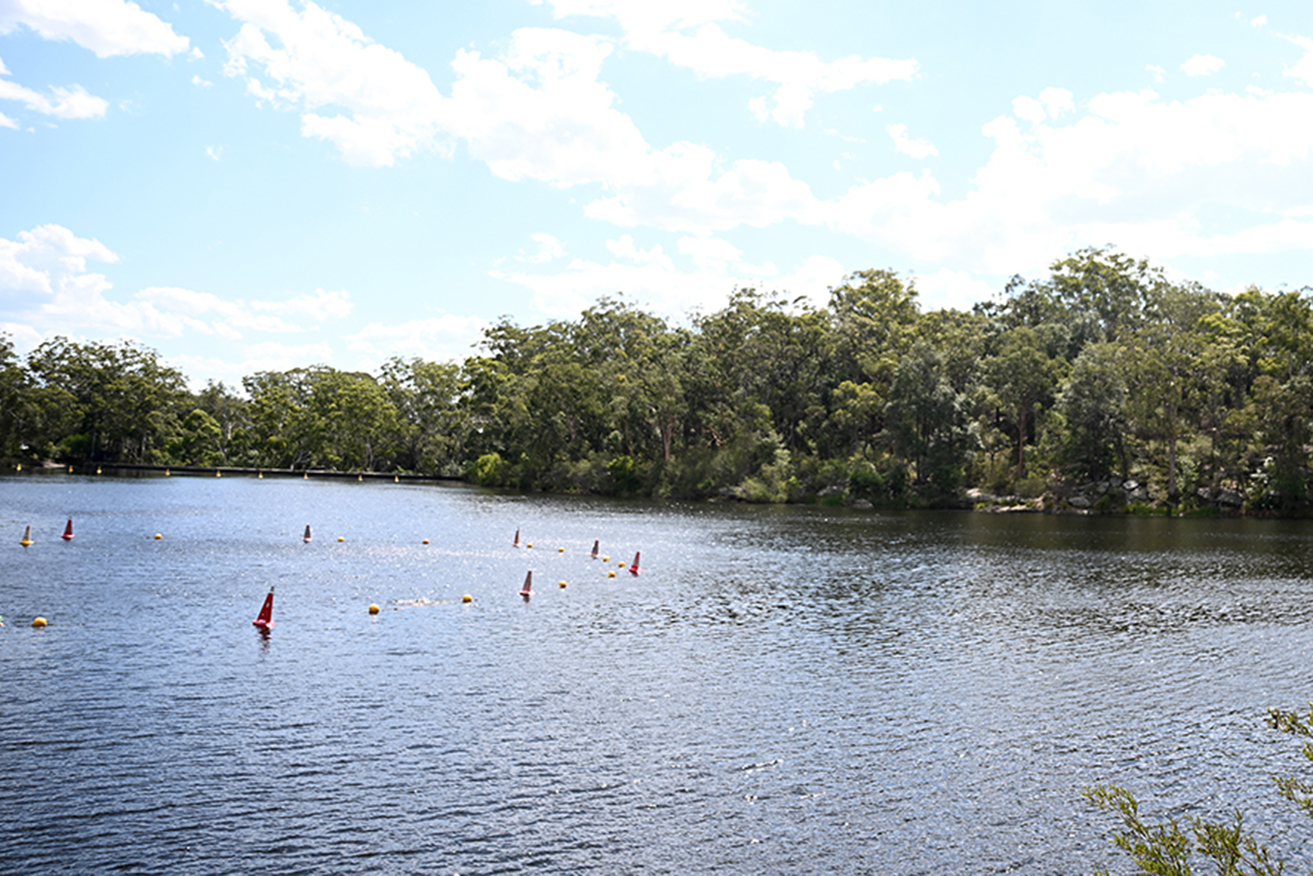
column 780, row 690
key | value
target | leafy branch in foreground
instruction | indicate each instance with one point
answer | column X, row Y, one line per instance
column 1168, row 848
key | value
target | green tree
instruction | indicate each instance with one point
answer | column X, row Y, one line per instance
column 1092, row 401
column 126, row 402
column 1023, row 376
column 927, row 420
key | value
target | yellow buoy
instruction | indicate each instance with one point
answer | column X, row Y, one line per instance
column 158, row 536
column 70, row 469
column 38, row 622
column 530, row 544
column 467, row 598
column 606, row 559
column 426, row 541
column 27, row 536
column 20, row 467
column 97, row 469
column 562, row 585
column 259, row 475
column 167, row 472
column 218, row 474
column 373, row 608
column 560, row 550
column 340, row 538
column 305, row 476
column 610, row 574
column 360, row 477
column 396, row 480
column 622, row 564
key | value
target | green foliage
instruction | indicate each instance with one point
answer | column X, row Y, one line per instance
column 1172, row 847
column 1100, row 367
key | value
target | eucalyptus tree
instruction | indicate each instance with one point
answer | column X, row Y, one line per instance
column 1163, row 362
column 1023, row 377
column 1092, row 400
column 125, row 402
column 927, row 420
column 430, row 425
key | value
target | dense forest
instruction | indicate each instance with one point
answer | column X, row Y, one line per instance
column 1102, row 386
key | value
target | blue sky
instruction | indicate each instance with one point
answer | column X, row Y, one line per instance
column 249, row 185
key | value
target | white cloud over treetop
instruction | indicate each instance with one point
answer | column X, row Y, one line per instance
column 106, row 27
column 46, row 288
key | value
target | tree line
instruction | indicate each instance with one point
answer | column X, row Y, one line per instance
column 1103, row 384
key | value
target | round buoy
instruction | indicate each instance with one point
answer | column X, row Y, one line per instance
column 38, row 622
column 426, row 541
column 610, row 574
column 562, row 585
column 606, row 559
column 158, row 536
column 529, row 545
column 373, row 608
column 622, row 564
column 560, row 550
column 467, row 598
column 340, row 538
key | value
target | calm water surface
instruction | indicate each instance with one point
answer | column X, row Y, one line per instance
column 782, row 690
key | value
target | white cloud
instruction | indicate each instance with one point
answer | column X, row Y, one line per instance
column 1158, row 72
column 106, row 27
column 200, row 83
column 651, row 274
column 707, row 251
column 322, row 305
column 1202, row 65
column 214, row 152
column 1303, row 69
column 63, row 103
column 548, row 248
column 688, row 35
column 1134, row 170
column 46, row 286
column 1258, row 21
column 390, row 106
column 946, row 288
column 918, row 149
column 435, row 338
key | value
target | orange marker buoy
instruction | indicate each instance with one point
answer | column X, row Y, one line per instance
column 27, row 536
column 633, row 570
column 266, row 619
column 306, row 538
column 594, row 553
column 68, row 531
column 527, row 590
column 516, row 543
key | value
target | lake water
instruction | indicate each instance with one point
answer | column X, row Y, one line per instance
column 781, row 690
